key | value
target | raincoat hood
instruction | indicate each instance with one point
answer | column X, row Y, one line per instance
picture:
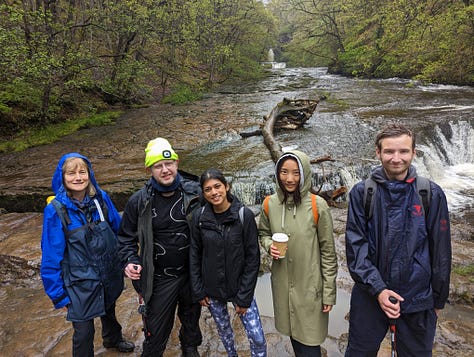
column 57, row 181
column 305, row 171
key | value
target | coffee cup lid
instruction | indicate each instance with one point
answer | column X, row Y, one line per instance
column 280, row 237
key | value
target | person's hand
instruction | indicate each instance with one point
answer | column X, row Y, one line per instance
column 327, row 308
column 239, row 310
column 274, row 252
column 391, row 310
column 133, row 271
column 205, row 302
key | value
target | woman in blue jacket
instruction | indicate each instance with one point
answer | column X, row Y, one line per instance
column 80, row 268
column 224, row 262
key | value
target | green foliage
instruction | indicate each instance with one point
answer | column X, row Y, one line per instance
column 464, row 270
column 58, row 58
column 53, row 132
column 428, row 40
column 183, row 94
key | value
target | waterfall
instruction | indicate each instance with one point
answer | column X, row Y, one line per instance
column 447, row 157
column 270, row 55
column 271, row 60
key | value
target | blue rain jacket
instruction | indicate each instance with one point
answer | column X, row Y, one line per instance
column 81, row 270
column 398, row 249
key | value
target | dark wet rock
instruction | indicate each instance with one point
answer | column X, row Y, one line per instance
column 16, row 270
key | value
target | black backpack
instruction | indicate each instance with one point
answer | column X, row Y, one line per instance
column 422, row 187
column 64, row 216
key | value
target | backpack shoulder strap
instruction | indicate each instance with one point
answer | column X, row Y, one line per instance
column 315, row 209
column 241, row 215
column 102, row 209
column 62, row 213
column 370, row 186
column 265, row 205
column 313, row 205
column 424, row 191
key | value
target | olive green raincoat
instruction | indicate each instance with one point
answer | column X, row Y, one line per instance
column 306, row 278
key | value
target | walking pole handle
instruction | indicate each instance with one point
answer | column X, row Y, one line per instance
column 393, row 300
column 393, row 328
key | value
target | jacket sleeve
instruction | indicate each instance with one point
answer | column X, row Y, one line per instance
column 53, row 245
column 128, row 233
column 114, row 218
column 328, row 252
column 195, row 260
column 252, row 260
column 264, row 231
column 439, row 234
column 361, row 268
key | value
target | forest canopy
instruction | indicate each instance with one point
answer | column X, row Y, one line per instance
column 62, row 60
column 429, row 40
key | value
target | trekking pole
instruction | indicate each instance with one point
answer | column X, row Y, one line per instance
column 393, row 329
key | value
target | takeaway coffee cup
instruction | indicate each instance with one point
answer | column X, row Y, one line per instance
column 280, row 240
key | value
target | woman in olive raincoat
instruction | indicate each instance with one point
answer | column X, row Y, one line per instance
column 304, row 281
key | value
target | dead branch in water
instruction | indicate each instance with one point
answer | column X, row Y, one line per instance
column 293, row 114
column 288, row 114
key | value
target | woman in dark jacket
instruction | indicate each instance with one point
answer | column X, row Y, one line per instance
column 224, row 261
column 80, row 268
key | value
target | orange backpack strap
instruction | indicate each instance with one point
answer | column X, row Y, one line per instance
column 265, row 205
column 313, row 204
column 315, row 209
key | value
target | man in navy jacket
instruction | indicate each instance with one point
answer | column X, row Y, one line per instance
column 401, row 252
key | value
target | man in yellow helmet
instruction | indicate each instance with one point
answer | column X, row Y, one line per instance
column 154, row 240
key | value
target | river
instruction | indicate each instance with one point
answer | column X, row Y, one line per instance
column 206, row 134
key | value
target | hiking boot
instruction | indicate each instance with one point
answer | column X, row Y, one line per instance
column 121, row 346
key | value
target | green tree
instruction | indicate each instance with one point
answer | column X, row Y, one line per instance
column 73, row 57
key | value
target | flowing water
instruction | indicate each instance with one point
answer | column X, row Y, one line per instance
column 207, row 134
column 344, row 127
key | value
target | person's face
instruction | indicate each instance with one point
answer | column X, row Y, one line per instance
column 164, row 171
column 215, row 192
column 290, row 175
column 76, row 178
column 396, row 155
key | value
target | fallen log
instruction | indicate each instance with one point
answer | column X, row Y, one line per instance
column 288, row 114
column 293, row 114
column 331, row 195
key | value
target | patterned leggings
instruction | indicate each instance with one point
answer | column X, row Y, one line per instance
column 252, row 325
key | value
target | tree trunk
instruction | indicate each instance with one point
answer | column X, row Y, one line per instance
column 288, row 114
column 293, row 114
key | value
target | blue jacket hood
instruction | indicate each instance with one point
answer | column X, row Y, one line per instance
column 57, row 181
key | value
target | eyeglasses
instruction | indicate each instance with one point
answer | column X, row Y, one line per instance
column 168, row 164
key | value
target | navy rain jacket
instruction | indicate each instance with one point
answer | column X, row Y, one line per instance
column 397, row 249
